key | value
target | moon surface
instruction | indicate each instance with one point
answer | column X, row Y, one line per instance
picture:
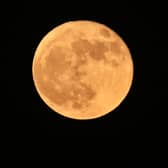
column 82, row 69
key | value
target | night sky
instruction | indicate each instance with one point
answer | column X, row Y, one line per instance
column 142, row 114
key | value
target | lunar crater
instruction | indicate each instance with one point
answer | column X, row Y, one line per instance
column 94, row 49
column 105, row 33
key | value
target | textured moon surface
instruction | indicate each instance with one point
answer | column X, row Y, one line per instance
column 82, row 69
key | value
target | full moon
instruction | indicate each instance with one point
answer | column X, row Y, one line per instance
column 82, row 69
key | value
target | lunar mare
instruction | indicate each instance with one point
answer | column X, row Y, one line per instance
column 82, row 69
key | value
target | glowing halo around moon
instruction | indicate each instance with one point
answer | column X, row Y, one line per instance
column 82, row 69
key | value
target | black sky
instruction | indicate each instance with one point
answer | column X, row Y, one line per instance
column 142, row 114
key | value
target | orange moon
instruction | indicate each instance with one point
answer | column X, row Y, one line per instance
column 82, row 69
